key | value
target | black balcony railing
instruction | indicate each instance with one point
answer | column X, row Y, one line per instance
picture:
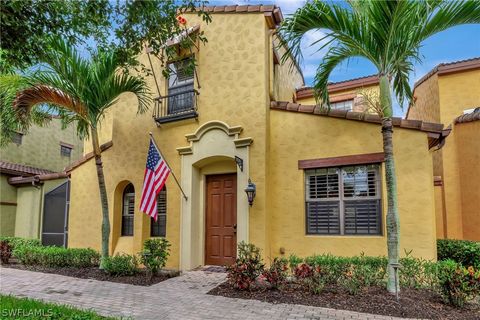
column 180, row 104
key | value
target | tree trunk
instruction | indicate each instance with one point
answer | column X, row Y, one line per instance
column 103, row 195
column 393, row 224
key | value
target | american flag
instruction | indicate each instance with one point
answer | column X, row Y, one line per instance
column 156, row 173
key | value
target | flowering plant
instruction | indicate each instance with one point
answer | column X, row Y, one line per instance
column 181, row 20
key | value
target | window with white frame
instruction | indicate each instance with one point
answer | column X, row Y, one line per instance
column 343, row 201
column 342, row 105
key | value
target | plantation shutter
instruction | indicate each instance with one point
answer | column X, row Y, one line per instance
column 159, row 228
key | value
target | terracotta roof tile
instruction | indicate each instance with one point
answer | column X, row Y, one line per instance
column 21, row 170
column 469, row 117
column 271, row 11
column 357, row 116
column 450, row 67
column 307, row 92
column 87, row 157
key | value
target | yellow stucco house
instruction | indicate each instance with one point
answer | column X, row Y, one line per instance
column 242, row 115
column 450, row 94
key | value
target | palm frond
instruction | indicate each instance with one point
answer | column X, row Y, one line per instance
column 43, row 94
column 447, row 14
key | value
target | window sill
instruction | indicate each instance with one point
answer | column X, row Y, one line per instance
column 344, row 236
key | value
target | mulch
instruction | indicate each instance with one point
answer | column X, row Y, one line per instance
column 139, row 279
column 412, row 303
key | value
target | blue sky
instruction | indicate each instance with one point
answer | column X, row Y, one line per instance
column 457, row 43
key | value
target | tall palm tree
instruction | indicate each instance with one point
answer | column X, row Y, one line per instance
column 81, row 90
column 389, row 34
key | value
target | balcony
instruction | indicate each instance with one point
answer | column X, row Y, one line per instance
column 179, row 104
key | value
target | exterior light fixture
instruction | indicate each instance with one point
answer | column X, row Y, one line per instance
column 250, row 190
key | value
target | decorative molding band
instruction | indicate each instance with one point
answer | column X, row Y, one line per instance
column 185, row 150
column 244, row 142
column 231, row 131
column 342, row 161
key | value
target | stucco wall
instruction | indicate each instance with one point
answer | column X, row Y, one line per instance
column 233, row 74
column 296, row 136
column 458, row 92
column 8, row 207
column 285, row 78
column 467, row 135
column 427, row 101
column 41, row 147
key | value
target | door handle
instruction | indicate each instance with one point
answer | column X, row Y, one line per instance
column 235, row 228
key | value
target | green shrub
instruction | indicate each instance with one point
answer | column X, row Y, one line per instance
column 16, row 241
column 357, row 277
column 457, row 284
column 155, row 253
column 56, row 257
column 247, row 267
column 293, row 262
column 121, row 265
column 462, row 251
column 5, row 252
column 277, row 273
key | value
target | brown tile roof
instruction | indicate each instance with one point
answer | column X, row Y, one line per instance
column 359, row 116
column 436, row 132
column 469, row 117
column 451, row 67
column 272, row 13
column 87, row 157
column 20, row 169
column 307, row 92
column 38, row 178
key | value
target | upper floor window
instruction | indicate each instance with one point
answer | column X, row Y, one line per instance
column 159, row 228
column 181, row 86
column 128, row 210
column 17, row 138
column 343, row 201
column 342, row 105
column 65, row 150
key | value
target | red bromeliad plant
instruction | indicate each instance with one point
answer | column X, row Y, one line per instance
column 303, row 271
column 277, row 273
column 247, row 267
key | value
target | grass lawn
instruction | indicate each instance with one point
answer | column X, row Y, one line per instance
column 24, row 308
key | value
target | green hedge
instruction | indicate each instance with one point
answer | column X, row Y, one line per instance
column 462, row 251
column 56, row 256
column 121, row 265
column 15, row 241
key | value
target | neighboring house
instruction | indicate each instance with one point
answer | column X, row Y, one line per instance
column 34, row 188
column 345, row 95
column 450, row 94
column 319, row 175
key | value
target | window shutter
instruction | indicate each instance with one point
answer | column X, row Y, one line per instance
column 323, row 217
column 159, row 228
column 362, row 216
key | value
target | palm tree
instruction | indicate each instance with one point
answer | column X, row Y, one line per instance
column 81, row 90
column 389, row 34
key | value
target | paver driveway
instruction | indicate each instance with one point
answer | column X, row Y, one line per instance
column 182, row 297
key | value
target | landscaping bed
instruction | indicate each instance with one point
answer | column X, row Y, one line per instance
column 413, row 303
column 138, row 279
column 29, row 254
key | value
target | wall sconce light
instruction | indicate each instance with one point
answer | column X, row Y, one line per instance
column 250, row 190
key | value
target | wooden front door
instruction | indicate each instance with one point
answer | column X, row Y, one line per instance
column 221, row 220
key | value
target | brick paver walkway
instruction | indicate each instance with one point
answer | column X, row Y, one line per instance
column 182, row 297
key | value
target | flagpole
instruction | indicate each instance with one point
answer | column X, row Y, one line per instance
column 173, row 174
